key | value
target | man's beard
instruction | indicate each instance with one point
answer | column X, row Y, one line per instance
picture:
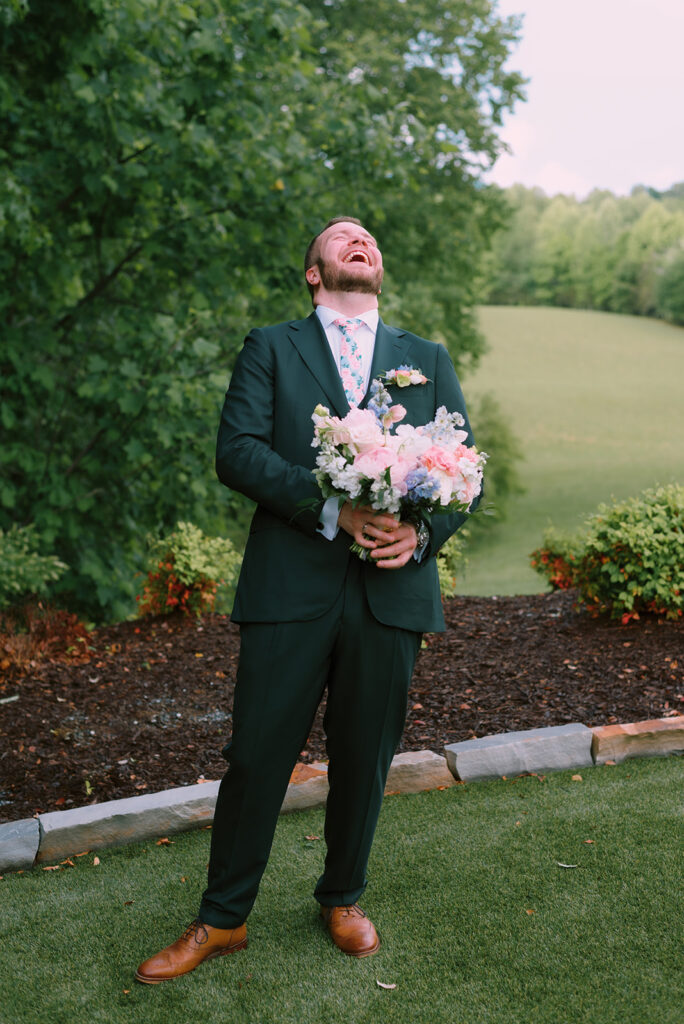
column 337, row 279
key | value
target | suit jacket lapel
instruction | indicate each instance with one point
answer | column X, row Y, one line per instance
column 309, row 339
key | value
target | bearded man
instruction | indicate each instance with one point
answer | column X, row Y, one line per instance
column 314, row 617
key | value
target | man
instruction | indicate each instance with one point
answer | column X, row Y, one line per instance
column 313, row 615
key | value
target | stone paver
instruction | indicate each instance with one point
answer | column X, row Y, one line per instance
column 125, row 821
column 176, row 810
column 58, row 834
column 308, row 788
column 19, row 842
column 417, row 770
column 638, row 739
column 530, row 750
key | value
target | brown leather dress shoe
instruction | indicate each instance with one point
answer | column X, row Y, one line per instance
column 350, row 930
column 197, row 943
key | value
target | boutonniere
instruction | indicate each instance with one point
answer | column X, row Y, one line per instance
column 403, row 376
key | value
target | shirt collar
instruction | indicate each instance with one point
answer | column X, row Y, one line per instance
column 327, row 315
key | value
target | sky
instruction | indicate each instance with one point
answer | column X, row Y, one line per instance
column 605, row 101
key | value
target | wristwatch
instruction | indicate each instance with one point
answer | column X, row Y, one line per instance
column 422, row 535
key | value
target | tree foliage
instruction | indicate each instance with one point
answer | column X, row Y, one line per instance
column 163, row 166
column 622, row 254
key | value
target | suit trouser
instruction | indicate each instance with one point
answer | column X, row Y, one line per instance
column 283, row 671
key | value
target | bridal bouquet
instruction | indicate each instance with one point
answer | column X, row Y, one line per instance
column 370, row 458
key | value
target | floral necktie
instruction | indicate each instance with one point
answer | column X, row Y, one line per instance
column 351, row 370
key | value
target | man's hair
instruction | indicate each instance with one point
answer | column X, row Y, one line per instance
column 311, row 257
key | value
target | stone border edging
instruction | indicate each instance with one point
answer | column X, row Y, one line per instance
column 60, row 834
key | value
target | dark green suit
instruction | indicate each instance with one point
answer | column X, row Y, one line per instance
column 312, row 615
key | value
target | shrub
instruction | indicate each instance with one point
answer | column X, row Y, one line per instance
column 451, row 561
column 631, row 559
column 34, row 631
column 558, row 559
column 494, row 435
column 189, row 568
column 23, row 571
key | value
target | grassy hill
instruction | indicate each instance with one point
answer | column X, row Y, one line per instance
column 596, row 400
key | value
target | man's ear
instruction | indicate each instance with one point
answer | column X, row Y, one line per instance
column 313, row 276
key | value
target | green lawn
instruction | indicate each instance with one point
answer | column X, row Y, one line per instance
column 596, row 400
column 479, row 923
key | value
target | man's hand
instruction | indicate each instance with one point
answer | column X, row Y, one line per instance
column 390, row 542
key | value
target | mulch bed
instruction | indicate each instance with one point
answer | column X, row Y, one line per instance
column 151, row 708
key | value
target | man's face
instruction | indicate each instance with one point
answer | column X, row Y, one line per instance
column 349, row 260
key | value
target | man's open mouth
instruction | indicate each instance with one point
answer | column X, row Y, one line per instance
column 357, row 256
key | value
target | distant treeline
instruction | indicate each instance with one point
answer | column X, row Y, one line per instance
column 619, row 253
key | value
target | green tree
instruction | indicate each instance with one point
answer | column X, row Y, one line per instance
column 606, row 252
column 649, row 242
column 670, row 288
column 507, row 273
column 162, row 167
column 553, row 254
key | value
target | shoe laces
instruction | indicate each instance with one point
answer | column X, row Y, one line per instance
column 353, row 909
column 197, row 931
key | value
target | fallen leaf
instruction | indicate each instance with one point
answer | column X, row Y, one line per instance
column 577, row 778
column 164, row 842
column 610, row 763
column 69, row 862
column 417, row 707
column 566, row 865
column 96, row 861
column 52, row 867
column 589, row 842
column 383, row 985
column 126, row 991
column 311, row 838
column 129, row 903
column 84, row 854
column 183, row 878
column 531, row 911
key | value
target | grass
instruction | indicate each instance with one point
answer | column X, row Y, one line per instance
column 480, row 925
column 595, row 399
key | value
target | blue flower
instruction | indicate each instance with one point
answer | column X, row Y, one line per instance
column 421, row 485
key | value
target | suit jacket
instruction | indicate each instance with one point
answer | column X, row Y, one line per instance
column 289, row 571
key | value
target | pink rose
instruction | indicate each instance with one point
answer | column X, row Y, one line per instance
column 441, row 459
column 373, row 463
column 359, row 429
